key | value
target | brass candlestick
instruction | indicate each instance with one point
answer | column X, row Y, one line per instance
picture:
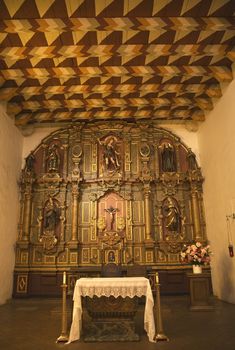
column 64, row 329
column 159, row 336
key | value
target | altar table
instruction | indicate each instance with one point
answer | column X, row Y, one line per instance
column 115, row 286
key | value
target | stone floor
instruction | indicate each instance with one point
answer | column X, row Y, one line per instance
column 35, row 324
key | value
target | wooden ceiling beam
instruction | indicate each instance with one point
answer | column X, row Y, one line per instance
column 204, row 103
column 46, row 25
column 74, row 51
column 220, row 73
column 70, row 116
column 52, row 91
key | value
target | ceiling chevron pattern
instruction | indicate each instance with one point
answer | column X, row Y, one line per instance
column 69, row 60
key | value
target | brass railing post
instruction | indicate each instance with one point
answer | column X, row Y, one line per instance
column 64, row 324
column 159, row 335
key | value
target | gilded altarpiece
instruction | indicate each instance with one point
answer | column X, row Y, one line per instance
column 95, row 193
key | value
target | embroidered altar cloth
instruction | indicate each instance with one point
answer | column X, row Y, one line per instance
column 115, row 286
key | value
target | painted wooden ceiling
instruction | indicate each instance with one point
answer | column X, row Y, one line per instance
column 85, row 60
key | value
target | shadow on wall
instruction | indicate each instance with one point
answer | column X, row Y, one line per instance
column 227, row 279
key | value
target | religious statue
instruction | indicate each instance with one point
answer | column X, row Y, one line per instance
column 191, row 158
column 53, row 159
column 172, row 216
column 51, row 216
column 168, row 158
column 29, row 162
column 110, row 154
column 111, row 256
column 112, row 211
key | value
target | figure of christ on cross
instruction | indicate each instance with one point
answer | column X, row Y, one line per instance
column 112, row 211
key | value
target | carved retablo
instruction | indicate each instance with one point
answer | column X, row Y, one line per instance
column 98, row 193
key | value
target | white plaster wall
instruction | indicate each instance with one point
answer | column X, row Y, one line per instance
column 217, row 152
column 11, row 142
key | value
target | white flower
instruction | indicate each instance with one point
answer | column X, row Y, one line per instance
column 198, row 244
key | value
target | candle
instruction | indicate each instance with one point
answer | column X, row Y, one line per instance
column 230, row 249
column 157, row 278
column 64, row 277
column 229, row 230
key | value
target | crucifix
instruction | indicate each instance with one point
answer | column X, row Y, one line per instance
column 112, row 211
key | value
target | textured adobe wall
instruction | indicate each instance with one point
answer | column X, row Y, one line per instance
column 217, row 153
column 11, row 142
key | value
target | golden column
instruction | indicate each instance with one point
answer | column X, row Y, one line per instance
column 146, row 179
column 196, row 215
column 147, row 212
column 65, row 163
column 44, row 147
column 76, row 152
column 75, row 192
column 21, row 218
column 62, row 220
column 94, row 220
column 27, row 212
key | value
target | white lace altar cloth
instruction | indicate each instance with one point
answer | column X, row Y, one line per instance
column 115, row 286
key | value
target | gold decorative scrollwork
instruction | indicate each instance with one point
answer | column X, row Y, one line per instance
column 145, row 150
column 111, row 238
column 101, row 223
column 120, row 223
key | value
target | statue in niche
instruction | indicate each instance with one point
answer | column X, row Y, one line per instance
column 191, row 158
column 50, row 221
column 29, row 162
column 53, row 159
column 111, row 256
column 171, row 216
column 110, row 154
column 168, row 158
column 51, row 216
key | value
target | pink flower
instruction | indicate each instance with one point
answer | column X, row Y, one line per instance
column 196, row 254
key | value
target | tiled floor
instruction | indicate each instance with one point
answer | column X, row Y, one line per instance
column 35, row 324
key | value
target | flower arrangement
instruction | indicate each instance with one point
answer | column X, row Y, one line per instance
column 196, row 254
